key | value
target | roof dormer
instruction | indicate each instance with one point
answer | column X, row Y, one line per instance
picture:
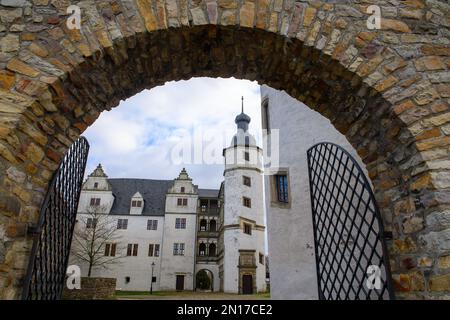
column 137, row 203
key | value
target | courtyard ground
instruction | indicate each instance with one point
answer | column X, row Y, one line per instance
column 187, row 295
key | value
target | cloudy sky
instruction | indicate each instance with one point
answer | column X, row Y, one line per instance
column 181, row 124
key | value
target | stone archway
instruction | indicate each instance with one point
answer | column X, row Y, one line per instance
column 387, row 90
column 199, row 278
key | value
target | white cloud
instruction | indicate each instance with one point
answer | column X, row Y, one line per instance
column 135, row 140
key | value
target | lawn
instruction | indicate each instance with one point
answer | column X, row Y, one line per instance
column 146, row 293
column 187, row 295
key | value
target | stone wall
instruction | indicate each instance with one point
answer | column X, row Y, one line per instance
column 387, row 90
column 92, row 289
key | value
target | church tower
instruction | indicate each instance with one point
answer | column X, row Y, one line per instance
column 243, row 229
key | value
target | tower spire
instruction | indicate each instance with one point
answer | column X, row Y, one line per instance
column 242, row 120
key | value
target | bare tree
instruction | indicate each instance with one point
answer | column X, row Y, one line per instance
column 95, row 240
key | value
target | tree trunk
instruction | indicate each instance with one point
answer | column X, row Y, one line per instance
column 90, row 270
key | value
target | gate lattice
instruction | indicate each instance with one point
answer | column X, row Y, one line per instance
column 53, row 233
column 348, row 228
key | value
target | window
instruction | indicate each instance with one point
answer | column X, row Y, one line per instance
column 122, row 224
column 265, row 115
column 178, row 249
column 204, row 205
column 282, row 188
column 212, row 225
column 152, row 224
column 95, row 201
column 261, row 258
column 182, row 202
column 247, row 228
column 127, row 279
column 279, row 189
column 110, row 250
column 151, row 250
column 132, row 249
column 91, row 223
column 181, row 249
column 107, row 249
column 246, row 156
column 183, row 189
column 203, row 224
column 202, row 249
column 180, row 223
column 212, row 250
column 96, row 185
column 247, row 202
column 247, row 181
column 136, row 203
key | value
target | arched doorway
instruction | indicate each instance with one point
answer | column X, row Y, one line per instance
column 386, row 96
column 204, row 280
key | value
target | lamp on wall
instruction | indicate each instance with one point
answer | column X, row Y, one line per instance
column 151, row 280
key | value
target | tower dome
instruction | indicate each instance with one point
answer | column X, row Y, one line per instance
column 242, row 136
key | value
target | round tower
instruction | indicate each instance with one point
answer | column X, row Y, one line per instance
column 244, row 226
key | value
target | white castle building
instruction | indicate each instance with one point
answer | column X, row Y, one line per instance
column 288, row 202
column 167, row 231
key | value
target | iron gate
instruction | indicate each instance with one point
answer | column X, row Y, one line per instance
column 351, row 256
column 53, row 233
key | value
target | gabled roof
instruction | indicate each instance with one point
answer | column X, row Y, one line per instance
column 137, row 195
column 98, row 172
column 152, row 191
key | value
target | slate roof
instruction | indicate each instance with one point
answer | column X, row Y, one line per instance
column 208, row 193
column 153, row 192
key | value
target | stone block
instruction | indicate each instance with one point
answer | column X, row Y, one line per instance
column 395, row 25
column 438, row 241
column 18, row 66
column 440, row 283
column 406, row 282
column 430, row 63
column 424, row 262
column 444, row 262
